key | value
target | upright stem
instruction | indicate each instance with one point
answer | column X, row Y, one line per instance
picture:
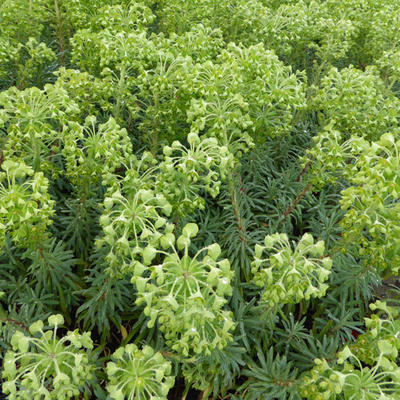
column 36, row 154
column 296, row 201
column 204, row 395
column 236, row 209
column 121, row 86
column 304, row 170
column 240, row 224
column 186, row 391
column 59, row 32
column 154, row 142
column 392, row 82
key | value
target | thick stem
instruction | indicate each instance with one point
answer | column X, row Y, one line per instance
column 185, row 393
column 204, row 395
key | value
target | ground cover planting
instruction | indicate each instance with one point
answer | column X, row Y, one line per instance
column 199, row 199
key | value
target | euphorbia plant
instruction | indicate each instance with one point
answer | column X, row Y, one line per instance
column 139, row 143
column 186, row 171
column 136, row 207
column 356, row 103
column 187, row 294
column 94, row 150
column 365, row 370
column 25, row 204
column 139, row 374
column 372, row 210
column 42, row 366
column 133, row 216
column 32, row 122
column 287, row 275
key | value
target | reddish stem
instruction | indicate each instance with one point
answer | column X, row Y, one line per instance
column 304, row 170
column 15, row 322
column 298, row 198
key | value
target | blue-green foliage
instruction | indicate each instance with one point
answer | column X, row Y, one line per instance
column 199, row 195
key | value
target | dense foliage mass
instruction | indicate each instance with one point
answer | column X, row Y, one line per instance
column 199, row 199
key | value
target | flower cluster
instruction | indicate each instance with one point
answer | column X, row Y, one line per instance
column 186, row 294
column 138, row 374
column 42, row 366
column 25, row 204
column 288, row 275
